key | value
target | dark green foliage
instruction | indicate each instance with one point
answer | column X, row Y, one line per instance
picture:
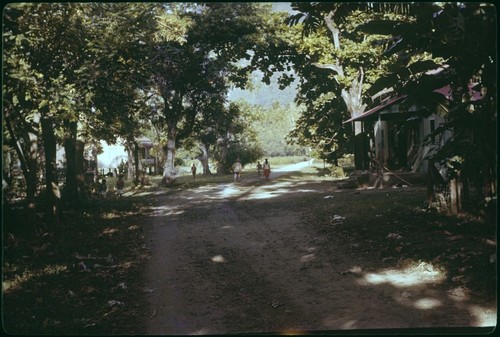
column 462, row 41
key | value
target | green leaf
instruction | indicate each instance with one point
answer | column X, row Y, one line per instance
column 43, row 103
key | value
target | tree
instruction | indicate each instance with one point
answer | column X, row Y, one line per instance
column 335, row 66
column 20, row 120
column 120, row 36
column 236, row 138
column 272, row 126
column 48, row 37
column 460, row 39
column 217, row 35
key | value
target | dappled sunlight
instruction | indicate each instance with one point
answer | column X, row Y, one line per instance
column 421, row 274
column 218, row 259
column 427, row 303
column 307, row 257
column 164, row 211
column 275, row 190
column 19, row 279
column 115, row 214
column 109, row 231
column 230, row 191
column 141, row 194
column 483, row 316
column 227, row 227
column 334, row 323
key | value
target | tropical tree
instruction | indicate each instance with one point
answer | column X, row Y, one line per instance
column 20, row 120
column 460, row 37
column 49, row 37
column 186, row 71
column 236, row 138
column 119, row 74
column 336, row 64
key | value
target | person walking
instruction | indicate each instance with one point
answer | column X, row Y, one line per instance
column 267, row 169
column 237, row 167
column 259, row 169
column 193, row 171
column 120, row 185
column 103, row 187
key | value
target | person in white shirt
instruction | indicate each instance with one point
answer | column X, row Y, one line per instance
column 237, row 167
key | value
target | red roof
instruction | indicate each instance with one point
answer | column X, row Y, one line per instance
column 447, row 92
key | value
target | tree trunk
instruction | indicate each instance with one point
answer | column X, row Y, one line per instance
column 53, row 195
column 455, row 196
column 223, row 156
column 169, row 165
column 80, row 169
column 71, row 186
column 203, row 157
column 137, row 164
column 130, row 160
column 28, row 158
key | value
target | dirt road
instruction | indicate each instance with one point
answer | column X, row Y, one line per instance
column 237, row 258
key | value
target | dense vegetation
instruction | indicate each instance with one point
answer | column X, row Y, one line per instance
column 78, row 73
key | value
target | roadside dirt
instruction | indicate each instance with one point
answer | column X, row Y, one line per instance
column 244, row 258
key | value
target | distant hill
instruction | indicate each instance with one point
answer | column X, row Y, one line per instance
column 264, row 95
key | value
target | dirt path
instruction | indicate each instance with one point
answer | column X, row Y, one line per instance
column 240, row 258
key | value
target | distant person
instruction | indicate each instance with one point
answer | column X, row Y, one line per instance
column 120, row 185
column 259, row 169
column 103, row 187
column 267, row 169
column 237, row 168
column 193, row 171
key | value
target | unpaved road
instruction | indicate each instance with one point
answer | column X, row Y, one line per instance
column 237, row 258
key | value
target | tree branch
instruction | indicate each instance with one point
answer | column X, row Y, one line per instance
column 333, row 67
column 334, row 30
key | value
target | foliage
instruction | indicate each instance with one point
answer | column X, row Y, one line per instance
column 238, row 138
column 335, row 63
column 273, row 125
column 459, row 38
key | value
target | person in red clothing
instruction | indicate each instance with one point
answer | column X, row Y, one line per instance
column 266, row 167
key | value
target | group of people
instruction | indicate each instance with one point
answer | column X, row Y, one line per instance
column 103, row 187
column 264, row 168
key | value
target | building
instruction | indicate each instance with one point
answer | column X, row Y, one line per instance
column 401, row 136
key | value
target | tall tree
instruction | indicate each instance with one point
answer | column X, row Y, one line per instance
column 217, row 35
column 49, row 39
column 461, row 37
column 336, row 64
column 20, row 119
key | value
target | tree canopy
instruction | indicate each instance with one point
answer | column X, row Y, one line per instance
column 82, row 72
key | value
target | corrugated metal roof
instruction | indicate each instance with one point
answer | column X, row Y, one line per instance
column 385, row 104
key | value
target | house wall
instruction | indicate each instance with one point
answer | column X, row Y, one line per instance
column 427, row 126
column 381, row 139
